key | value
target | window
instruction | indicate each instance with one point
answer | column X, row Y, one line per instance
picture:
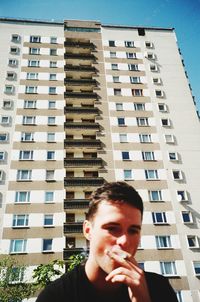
column 48, row 220
column 29, row 120
column 35, row 39
column 9, row 89
column 51, row 120
column 148, row 44
column 148, row 155
column 34, row 51
column 5, row 120
column 196, row 265
column 52, row 76
column 142, row 121
column 7, row 104
column 26, row 155
column 168, row 268
column 157, row 81
column 20, row 220
column 32, row 76
column 53, row 40
column 11, row 76
column 17, row 276
column 159, row 93
column 153, row 68
column 173, row 156
column 129, row 43
column 137, row 92
column 2, row 156
column 127, row 174
column 151, row 56
column 50, row 137
column 114, row 66
column 24, row 175
column 15, row 38
column 162, row 107
column 111, row 43
column 145, row 138
column 52, row 90
column 51, row 104
column 50, row 155
column 115, row 79
column 52, row 64
column 121, row 121
column 113, row 54
column 182, row 195
column 50, row 175
column 125, row 155
column 163, row 242
column 135, row 80
column 159, row 218
column 29, row 104
column 31, row 89
column 47, row 245
column 193, row 241
column 117, row 92
column 53, row 51
column 177, row 175
column 179, row 295
column 139, row 106
column 2, row 175
column 123, row 138
column 169, row 138
column 12, row 62
column 22, row 197
column 155, row 195
column 14, row 50
column 27, row 137
column 131, row 55
column 133, row 67
column 18, row 246
column 33, row 63
column 187, row 217
column 49, row 197
column 165, row 122
column 119, row 106
column 151, row 174
column 4, row 137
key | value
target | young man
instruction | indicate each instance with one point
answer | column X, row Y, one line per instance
column 111, row 273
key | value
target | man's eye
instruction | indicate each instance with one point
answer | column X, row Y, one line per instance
column 112, row 229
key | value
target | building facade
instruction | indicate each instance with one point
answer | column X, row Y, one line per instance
column 83, row 103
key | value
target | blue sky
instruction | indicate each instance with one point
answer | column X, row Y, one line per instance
column 183, row 15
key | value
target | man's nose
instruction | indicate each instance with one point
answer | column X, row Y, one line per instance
column 122, row 240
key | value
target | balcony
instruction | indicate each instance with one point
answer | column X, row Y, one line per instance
column 79, row 44
column 81, row 68
column 83, row 162
column 81, row 95
column 73, row 227
column 79, row 56
column 81, row 143
column 82, row 110
column 80, row 82
column 73, row 251
column 76, row 204
column 82, row 125
column 84, row 181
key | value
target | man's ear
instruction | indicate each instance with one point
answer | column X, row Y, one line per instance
column 87, row 226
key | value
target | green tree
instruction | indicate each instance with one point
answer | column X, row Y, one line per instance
column 75, row 260
column 12, row 284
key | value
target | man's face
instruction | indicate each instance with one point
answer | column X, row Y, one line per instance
column 113, row 225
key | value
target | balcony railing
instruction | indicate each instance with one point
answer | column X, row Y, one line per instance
column 73, row 227
column 79, row 82
column 96, row 143
column 76, row 162
column 86, row 68
column 76, row 204
column 84, row 181
column 80, row 110
column 83, row 125
column 67, row 252
column 81, row 95
column 80, row 44
column 82, row 56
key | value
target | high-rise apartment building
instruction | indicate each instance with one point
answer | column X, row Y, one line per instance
column 83, row 103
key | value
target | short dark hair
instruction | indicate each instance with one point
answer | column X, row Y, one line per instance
column 114, row 192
